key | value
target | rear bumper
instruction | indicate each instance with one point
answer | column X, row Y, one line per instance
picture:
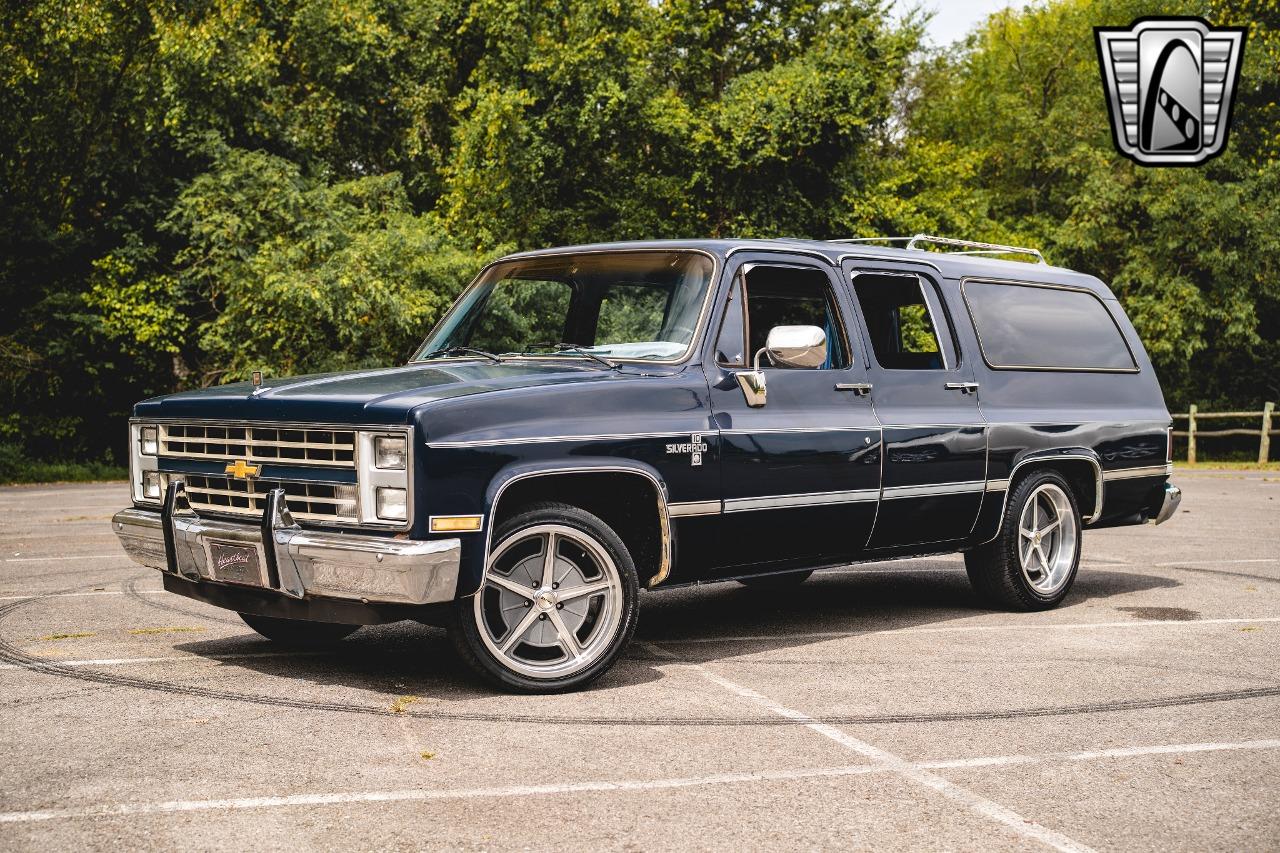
column 1172, row 497
column 295, row 563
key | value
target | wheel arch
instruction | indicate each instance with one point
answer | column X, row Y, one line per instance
column 613, row 486
column 1081, row 467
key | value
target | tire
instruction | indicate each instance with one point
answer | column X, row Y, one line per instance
column 774, row 583
column 298, row 632
column 525, row 635
column 1019, row 570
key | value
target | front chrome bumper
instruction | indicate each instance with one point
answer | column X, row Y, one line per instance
column 298, row 563
column 1172, row 497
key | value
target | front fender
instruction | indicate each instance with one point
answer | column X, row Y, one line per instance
column 471, row 572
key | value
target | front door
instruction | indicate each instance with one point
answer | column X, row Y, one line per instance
column 927, row 401
column 800, row 475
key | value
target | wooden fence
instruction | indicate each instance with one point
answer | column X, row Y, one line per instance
column 1193, row 431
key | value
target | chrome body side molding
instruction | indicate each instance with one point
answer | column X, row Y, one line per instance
column 932, row 489
column 800, row 500
column 1137, row 473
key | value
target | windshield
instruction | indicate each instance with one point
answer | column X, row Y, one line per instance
column 626, row 305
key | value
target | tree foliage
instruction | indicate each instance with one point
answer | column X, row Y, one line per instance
column 195, row 190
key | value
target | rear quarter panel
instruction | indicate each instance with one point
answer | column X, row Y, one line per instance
column 1118, row 419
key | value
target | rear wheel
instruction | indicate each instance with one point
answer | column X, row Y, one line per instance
column 773, row 583
column 1032, row 563
column 298, row 632
column 558, row 605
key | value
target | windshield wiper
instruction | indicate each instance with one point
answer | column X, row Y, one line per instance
column 447, row 351
column 575, row 348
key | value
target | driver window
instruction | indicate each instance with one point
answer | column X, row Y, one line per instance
column 793, row 296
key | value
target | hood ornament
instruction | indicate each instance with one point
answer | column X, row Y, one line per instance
column 257, row 384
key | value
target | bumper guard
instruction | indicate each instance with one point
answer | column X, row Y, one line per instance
column 297, row 563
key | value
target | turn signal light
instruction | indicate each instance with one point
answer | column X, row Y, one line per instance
column 455, row 523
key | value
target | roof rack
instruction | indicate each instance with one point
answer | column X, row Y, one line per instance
column 969, row 247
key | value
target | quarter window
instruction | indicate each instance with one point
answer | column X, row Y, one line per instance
column 731, row 344
column 902, row 322
column 1025, row 326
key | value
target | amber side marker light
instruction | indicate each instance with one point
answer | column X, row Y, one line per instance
column 456, row 523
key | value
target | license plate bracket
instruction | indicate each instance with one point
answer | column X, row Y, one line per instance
column 236, row 562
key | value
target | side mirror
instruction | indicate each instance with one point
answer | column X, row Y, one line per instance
column 796, row 346
column 787, row 346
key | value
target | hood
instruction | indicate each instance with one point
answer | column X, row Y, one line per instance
column 384, row 396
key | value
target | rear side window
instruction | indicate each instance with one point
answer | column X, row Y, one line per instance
column 1024, row 326
column 902, row 322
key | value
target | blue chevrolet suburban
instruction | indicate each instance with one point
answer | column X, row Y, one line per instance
column 589, row 421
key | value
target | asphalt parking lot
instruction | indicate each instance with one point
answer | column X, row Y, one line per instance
column 874, row 707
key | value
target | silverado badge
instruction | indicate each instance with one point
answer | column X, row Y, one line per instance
column 695, row 446
column 242, row 470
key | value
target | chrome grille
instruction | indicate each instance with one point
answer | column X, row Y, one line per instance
column 333, row 448
column 307, row 501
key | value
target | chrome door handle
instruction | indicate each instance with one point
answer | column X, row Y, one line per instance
column 862, row 389
column 962, row 387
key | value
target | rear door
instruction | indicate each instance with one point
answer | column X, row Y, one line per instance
column 800, row 475
column 926, row 399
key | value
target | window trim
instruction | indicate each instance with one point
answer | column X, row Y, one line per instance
column 842, row 327
column 973, row 320
column 923, row 282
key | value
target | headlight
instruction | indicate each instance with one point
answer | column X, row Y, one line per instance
column 149, row 440
column 383, row 484
column 392, row 504
column 146, row 484
column 389, row 453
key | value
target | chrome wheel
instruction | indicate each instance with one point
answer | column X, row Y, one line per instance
column 551, row 603
column 1047, row 539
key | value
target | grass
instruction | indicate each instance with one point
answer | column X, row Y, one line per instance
column 1227, row 465
column 15, row 467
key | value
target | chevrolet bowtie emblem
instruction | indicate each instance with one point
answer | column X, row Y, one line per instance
column 242, row 470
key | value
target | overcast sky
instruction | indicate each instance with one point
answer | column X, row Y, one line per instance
column 954, row 18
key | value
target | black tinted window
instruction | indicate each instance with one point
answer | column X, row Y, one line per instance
column 1025, row 326
column 789, row 296
column 730, row 346
column 900, row 321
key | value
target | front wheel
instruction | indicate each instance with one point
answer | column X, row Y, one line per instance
column 1032, row 563
column 559, row 603
column 297, row 632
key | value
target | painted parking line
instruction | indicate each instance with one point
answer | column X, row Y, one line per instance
column 120, row 554
column 55, row 509
column 606, row 786
column 966, row 629
column 1217, row 562
column 889, row 762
